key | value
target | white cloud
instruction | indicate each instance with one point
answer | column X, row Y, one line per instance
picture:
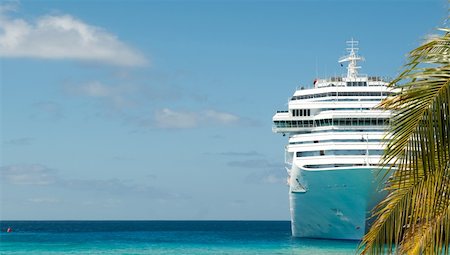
column 95, row 89
column 40, row 175
column 62, row 37
column 239, row 154
column 47, row 110
column 221, row 117
column 273, row 176
column 9, row 6
column 44, row 200
column 122, row 99
column 19, row 141
column 28, row 174
column 167, row 118
column 118, row 95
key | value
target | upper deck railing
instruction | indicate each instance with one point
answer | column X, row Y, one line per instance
column 360, row 77
column 342, row 94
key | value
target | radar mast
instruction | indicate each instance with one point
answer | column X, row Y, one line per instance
column 352, row 58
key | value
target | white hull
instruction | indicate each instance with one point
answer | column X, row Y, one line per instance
column 335, row 204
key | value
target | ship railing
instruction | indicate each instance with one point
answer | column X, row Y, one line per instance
column 293, row 128
column 344, row 78
column 367, row 122
column 379, row 78
column 288, row 125
column 346, row 95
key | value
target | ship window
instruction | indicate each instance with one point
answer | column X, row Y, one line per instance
column 296, row 112
column 338, row 153
column 309, row 112
column 336, row 122
column 356, row 84
column 306, row 153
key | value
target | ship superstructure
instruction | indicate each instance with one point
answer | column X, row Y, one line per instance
column 332, row 158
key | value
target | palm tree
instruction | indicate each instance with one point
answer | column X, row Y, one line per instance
column 414, row 218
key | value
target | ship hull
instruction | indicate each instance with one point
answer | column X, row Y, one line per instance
column 334, row 204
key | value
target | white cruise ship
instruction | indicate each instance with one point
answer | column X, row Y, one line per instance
column 335, row 145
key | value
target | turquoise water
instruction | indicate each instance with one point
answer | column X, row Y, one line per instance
column 161, row 237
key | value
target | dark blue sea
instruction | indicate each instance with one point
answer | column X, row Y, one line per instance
column 161, row 237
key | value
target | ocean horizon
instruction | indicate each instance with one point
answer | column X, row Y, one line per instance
column 161, row 237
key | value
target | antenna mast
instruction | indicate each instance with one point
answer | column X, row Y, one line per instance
column 352, row 58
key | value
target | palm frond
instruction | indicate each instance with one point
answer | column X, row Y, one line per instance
column 414, row 217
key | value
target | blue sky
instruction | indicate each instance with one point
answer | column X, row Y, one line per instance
column 162, row 110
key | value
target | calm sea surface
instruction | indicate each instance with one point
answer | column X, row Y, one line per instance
column 161, row 237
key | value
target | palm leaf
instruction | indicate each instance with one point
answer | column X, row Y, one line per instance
column 414, row 217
